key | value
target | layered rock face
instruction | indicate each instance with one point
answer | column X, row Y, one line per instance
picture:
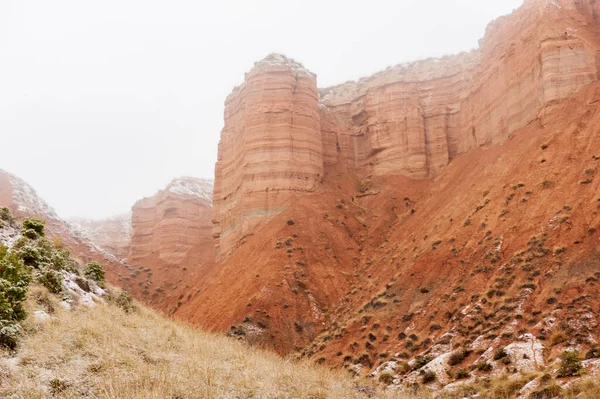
column 411, row 119
column 111, row 234
column 167, row 225
column 270, row 147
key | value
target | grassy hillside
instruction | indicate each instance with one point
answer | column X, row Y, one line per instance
column 103, row 351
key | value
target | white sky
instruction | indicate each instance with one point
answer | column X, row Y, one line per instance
column 104, row 102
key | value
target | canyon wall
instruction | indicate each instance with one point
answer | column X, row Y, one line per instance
column 270, row 148
column 111, row 234
column 410, row 119
column 167, row 225
column 413, row 119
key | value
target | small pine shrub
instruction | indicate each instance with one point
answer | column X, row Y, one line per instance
column 570, row 365
column 30, row 233
column 6, row 215
column 123, row 300
column 14, row 282
column 50, row 279
column 35, row 225
column 484, row 366
column 95, row 271
column 421, row 361
column 38, row 252
column 9, row 333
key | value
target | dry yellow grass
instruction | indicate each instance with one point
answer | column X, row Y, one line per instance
column 103, row 352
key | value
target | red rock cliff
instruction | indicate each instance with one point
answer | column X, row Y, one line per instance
column 415, row 118
column 270, row 148
column 167, row 225
column 411, row 119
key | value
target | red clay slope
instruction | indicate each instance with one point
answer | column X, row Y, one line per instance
column 515, row 223
column 365, row 231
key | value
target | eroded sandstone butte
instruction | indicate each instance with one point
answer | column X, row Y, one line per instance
column 270, row 148
column 171, row 243
column 411, row 119
column 167, row 225
column 111, row 234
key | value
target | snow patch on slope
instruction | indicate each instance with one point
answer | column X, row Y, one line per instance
column 8, row 235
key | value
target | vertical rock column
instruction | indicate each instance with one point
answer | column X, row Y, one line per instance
column 270, row 148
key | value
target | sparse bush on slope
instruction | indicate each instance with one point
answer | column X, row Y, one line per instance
column 95, row 271
column 6, row 216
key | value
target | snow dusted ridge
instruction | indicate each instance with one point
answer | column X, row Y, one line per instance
column 202, row 188
column 27, row 199
column 275, row 59
column 89, row 228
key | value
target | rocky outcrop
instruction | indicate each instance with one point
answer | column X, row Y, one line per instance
column 167, row 225
column 411, row 119
column 270, row 147
column 111, row 234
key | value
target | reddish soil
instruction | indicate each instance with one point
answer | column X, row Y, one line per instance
column 513, row 223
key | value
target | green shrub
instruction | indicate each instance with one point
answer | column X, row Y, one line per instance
column 484, row 366
column 30, row 233
column 570, row 366
column 14, row 281
column 422, row 361
column 9, row 333
column 6, row 215
column 35, row 225
column 95, row 271
column 51, row 279
column 123, row 300
column 39, row 252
